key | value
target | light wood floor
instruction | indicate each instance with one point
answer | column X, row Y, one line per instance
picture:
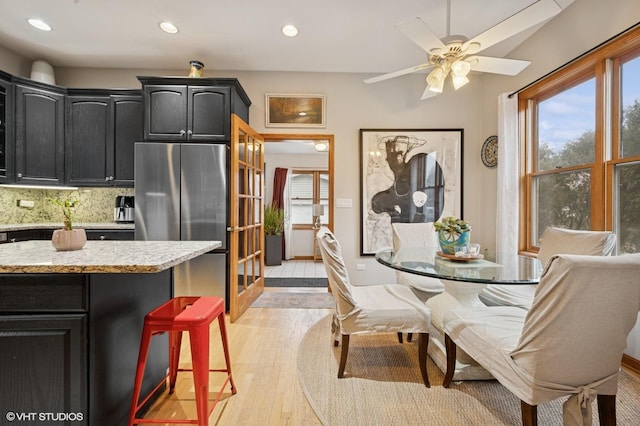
column 263, row 344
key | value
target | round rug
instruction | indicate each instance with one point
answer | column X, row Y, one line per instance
column 382, row 385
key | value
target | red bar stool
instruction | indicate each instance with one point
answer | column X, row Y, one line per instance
column 194, row 315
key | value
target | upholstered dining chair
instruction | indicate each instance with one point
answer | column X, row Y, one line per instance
column 552, row 241
column 407, row 235
column 568, row 343
column 388, row 308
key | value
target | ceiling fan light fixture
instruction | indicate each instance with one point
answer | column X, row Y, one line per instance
column 460, row 68
column 436, row 76
column 459, row 81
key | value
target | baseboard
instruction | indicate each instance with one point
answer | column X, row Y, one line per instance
column 631, row 364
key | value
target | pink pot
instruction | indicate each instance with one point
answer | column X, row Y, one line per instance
column 65, row 240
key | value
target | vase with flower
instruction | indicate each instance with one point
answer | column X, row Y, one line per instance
column 68, row 238
column 452, row 232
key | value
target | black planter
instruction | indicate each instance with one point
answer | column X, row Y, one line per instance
column 273, row 250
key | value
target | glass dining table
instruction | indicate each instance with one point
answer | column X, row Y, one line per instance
column 429, row 262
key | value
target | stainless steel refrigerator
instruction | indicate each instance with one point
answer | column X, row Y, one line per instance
column 181, row 192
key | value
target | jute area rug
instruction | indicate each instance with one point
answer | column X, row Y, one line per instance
column 382, row 386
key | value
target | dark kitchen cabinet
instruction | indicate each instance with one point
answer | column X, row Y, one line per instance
column 39, row 133
column 6, row 128
column 46, row 355
column 195, row 110
column 102, row 128
column 43, row 330
column 111, row 234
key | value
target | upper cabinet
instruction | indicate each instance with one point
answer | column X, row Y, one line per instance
column 6, row 128
column 101, row 130
column 39, row 133
column 192, row 109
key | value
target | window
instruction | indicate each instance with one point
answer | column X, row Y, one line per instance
column 309, row 187
column 581, row 137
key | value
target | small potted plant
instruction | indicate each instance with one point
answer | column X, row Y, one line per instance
column 67, row 238
column 452, row 232
column 273, row 229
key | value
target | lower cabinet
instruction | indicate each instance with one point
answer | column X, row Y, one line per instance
column 69, row 345
column 44, row 357
column 115, row 234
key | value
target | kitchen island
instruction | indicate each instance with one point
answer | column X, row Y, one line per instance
column 70, row 325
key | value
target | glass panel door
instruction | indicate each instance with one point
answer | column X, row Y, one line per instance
column 246, row 242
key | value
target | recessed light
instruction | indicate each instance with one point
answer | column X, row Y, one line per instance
column 290, row 30
column 39, row 24
column 168, row 27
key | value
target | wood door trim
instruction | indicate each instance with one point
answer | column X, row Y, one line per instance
column 280, row 137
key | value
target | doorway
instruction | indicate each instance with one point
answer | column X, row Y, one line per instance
column 303, row 153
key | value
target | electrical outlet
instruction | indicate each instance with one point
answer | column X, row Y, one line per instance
column 361, row 267
column 28, row 204
column 344, row 203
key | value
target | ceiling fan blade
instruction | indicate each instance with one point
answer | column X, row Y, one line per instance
column 397, row 73
column 497, row 65
column 418, row 32
column 526, row 18
column 428, row 93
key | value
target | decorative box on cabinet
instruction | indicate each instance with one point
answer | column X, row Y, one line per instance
column 6, row 128
column 192, row 109
column 102, row 128
column 39, row 132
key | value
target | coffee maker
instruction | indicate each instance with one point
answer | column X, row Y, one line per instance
column 123, row 212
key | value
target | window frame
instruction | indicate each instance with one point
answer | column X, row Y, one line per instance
column 603, row 63
column 316, row 194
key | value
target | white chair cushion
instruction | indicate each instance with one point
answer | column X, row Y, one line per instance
column 553, row 241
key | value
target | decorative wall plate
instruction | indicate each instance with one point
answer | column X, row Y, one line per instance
column 489, row 151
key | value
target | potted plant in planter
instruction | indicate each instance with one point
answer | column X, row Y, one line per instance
column 273, row 228
column 67, row 238
column 452, row 232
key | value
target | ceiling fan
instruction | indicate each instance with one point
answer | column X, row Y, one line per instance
column 456, row 55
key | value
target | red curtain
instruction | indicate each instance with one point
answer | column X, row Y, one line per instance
column 279, row 182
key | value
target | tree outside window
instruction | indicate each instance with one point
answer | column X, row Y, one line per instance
column 582, row 139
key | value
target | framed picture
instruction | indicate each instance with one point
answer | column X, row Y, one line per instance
column 407, row 176
column 295, row 110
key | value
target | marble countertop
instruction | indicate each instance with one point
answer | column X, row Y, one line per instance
column 56, row 225
column 100, row 256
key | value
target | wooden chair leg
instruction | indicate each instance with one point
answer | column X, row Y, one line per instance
column 409, row 337
column 450, row 347
column 343, row 355
column 399, row 337
column 607, row 410
column 529, row 414
column 423, row 346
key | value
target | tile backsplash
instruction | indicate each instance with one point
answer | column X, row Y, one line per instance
column 96, row 204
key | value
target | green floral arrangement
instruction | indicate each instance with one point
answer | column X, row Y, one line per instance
column 67, row 205
column 452, row 227
column 273, row 220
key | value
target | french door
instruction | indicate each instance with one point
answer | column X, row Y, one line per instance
column 246, row 242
